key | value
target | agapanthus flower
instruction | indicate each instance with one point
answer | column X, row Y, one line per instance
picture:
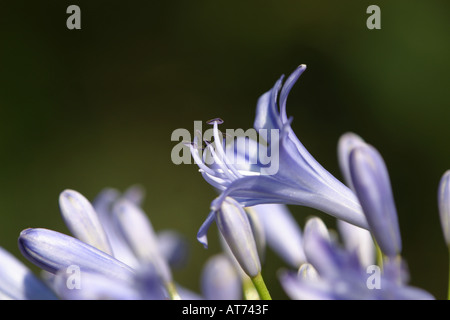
column 114, row 242
column 299, row 180
column 341, row 276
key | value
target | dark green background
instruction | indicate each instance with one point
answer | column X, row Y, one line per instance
column 93, row 108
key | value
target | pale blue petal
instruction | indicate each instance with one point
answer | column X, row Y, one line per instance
column 289, row 83
column 140, row 236
column 259, row 233
column 308, row 272
column 135, row 194
column 251, row 191
column 219, row 279
column 174, row 247
column 148, row 283
column 282, row 231
column 305, row 290
column 358, row 240
column 202, row 232
column 53, row 251
column 267, row 113
column 103, row 205
column 17, row 282
column 82, row 220
column 94, row 286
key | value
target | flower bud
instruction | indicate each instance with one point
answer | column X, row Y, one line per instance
column 235, row 228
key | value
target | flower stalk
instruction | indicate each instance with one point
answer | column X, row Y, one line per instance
column 260, row 286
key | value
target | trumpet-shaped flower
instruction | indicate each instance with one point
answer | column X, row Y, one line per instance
column 299, row 180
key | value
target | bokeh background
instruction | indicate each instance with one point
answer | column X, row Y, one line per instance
column 93, row 108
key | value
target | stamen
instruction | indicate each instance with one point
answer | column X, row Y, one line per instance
column 222, row 152
column 216, row 182
column 215, row 120
column 222, row 165
column 195, row 154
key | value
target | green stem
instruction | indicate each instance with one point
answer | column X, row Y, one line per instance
column 380, row 256
column 172, row 290
column 260, row 286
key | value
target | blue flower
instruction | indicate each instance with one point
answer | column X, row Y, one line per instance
column 115, row 248
column 340, row 275
column 299, row 180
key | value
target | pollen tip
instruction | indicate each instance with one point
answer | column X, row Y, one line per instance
column 212, row 121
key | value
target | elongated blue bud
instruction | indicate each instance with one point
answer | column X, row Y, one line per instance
column 444, row 205
column 235, row 228
column 53, row 251
column 373, row 188
column 347, row 142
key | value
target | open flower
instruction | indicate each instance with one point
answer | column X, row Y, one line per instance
column 299, row 180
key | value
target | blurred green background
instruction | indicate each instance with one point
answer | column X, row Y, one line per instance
column 93, row 108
